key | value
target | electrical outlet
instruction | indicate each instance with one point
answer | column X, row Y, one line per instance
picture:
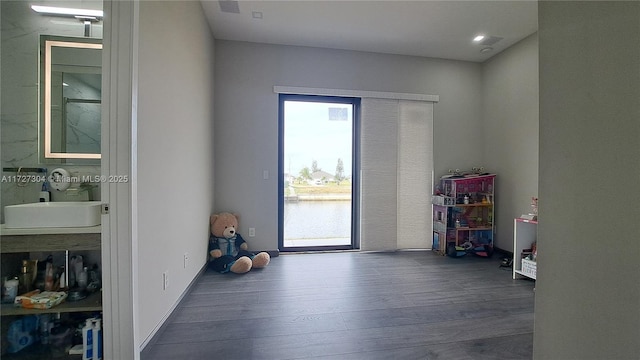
column 186, row 260
column 265, row 174
column 165, row 280
column 252, row 232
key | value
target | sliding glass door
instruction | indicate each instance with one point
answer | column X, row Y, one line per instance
column 318, row 177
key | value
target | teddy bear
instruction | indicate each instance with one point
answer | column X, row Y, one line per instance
column 228, row 249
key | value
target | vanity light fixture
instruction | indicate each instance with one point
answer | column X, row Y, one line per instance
column 86, row 16
column 478, row 38
column 52, row 10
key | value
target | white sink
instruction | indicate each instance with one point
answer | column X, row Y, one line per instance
column 53, row 214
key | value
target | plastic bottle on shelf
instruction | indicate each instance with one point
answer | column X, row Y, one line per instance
column 63, row 276
column 97, row 339
column 10, row 290
column 44, row 327
column 26, row 280
column 83, row 278
column 87, row 340
column 49, row 277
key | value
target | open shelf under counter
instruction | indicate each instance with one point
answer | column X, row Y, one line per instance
column 93, row 302
column 49, row 239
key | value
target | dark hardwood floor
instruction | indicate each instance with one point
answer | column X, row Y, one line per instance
column 351, row 305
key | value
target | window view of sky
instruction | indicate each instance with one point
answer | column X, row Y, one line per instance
column 320, row 132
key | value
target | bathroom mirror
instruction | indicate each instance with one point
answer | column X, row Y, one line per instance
column 70, row 97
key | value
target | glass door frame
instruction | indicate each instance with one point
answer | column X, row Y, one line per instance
column 355, row 177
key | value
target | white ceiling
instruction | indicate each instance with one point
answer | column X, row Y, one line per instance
column 438, row 29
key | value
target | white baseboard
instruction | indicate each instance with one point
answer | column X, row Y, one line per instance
column 155, row 330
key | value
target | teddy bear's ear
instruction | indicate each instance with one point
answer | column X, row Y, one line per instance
column 213, row 219
column 237, row 217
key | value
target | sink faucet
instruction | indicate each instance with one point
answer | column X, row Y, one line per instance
column 84, row 187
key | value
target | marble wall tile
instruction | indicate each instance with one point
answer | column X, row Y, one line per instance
column 19, row 101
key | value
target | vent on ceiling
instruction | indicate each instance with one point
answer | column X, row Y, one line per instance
column 229, row 6
column 490, row 40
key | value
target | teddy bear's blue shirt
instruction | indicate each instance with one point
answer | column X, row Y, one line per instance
column 229, row 246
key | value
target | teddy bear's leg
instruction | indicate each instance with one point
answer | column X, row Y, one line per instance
column 241, row 265
column 261, row 260
column 220, row 264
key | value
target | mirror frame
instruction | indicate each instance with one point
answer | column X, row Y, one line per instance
column 48, row 44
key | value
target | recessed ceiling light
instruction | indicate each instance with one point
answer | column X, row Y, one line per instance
column 256, row 14
column 478, row 38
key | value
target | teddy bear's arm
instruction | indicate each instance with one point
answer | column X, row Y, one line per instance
column 214, row 247
column 240, row 243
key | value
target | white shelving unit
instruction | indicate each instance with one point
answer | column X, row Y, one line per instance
column 525, row 233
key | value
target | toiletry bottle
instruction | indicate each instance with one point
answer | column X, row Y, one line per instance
column 83, row 278
column 78, row 266
column 87, row 340
column 45, row 195
column 97, row 339
column 49, row 277
column 63, row 281
column 72, row 272
column 25, row 278
column 43, row 325
column 10, row 290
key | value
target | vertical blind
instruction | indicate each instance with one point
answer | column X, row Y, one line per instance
column 396, row 168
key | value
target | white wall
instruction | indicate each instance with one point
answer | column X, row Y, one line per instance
column 174, row 153
column 588, row 292
column 510, row 124
column 247, row 114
